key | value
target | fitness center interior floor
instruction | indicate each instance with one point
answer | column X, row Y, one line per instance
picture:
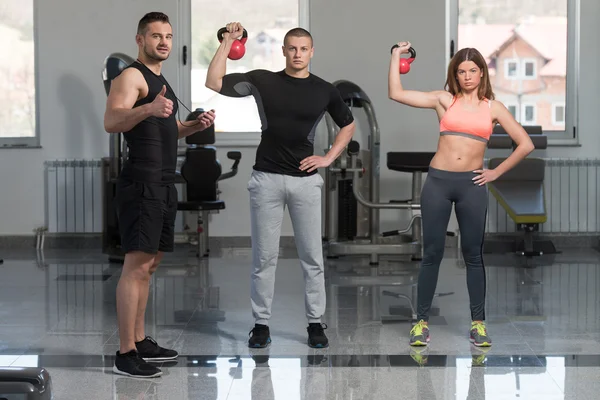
column 57, row 310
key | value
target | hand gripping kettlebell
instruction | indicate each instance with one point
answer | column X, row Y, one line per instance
column 405, row 62
column 238, row 48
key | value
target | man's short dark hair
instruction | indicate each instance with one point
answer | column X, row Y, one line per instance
column 298, row 32
column 149, row 18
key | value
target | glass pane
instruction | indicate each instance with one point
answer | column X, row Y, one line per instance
column 512, row 69
column 513, row 110
column 17, row 69
column 517, row 30
column 266, row 21
column 529, row 69
column 560, row 113
column 529, row 113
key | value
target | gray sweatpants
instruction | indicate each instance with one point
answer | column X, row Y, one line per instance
column 269, row 196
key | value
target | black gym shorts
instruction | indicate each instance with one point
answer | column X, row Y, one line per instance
column 146, row 214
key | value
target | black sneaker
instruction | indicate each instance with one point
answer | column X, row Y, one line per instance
column 150, row 351
column 131, row 364
column 260, row 336
column 316, row 335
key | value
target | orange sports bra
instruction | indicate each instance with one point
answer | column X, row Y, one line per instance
column 475, row 125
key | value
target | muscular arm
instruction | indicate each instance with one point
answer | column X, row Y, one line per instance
column 411, row 98
column 341, row 141
column 218, row 66
column 518, row 135
column 185, row 130
column 343, row 117
column 120, row 116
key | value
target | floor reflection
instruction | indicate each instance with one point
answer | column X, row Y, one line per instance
column 59, row 313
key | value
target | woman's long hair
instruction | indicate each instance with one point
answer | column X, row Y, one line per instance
column 469, row 54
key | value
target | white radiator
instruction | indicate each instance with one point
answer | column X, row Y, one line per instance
column 74, row 190
column 572, row 187
column 73, row 196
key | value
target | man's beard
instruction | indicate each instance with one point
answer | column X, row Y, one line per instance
column 156, row 57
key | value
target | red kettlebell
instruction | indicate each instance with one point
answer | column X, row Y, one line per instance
column 238, row 48
column 405, row 62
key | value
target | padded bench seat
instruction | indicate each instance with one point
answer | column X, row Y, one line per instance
column 405, row 161
column 520, row 191
column 523, row 201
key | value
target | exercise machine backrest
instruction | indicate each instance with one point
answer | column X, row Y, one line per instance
column 352, row 94
column 114, row 64
column 201, row 169
column 501, row 140
column 529, row 169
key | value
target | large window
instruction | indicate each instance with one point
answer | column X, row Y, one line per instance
column 17, row 74
column 530, row 49
column 266, row 21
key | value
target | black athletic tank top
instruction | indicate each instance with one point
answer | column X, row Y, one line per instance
column 152, row 144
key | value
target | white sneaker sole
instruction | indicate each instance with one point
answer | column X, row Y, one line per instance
column 118, row 371
column 159, row 359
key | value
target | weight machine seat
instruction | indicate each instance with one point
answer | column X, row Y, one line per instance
column 405, row 161
column 25, row 383
column 520, row 191
column 201, row 205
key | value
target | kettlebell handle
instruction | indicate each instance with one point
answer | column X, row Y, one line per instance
column 413, row 53
column 221, row 31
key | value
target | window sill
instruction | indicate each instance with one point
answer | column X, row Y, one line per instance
column 237, row 139
column 557, row 144
column 563, row 143
column 20, row 146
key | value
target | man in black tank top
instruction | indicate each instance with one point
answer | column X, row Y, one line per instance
column 290, row 104
column 143, row 106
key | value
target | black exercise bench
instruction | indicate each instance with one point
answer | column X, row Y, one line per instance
column 520, row 191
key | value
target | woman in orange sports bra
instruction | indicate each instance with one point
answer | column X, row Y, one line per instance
column 467, row 112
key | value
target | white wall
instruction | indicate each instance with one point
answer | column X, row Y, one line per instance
column 72, row 98
column 363, row 58
column 73, row 39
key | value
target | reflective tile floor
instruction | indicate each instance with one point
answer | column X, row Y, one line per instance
column 57, row 311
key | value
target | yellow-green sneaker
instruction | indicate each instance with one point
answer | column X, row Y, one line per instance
column 478, row 335
column 419, row 334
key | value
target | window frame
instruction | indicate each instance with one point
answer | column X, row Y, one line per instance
column 569, row 137
column 16, row 142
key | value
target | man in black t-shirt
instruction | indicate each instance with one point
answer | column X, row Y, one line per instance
column 142, row 105
column 290, row 104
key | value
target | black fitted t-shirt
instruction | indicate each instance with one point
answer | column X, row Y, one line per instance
column 152, row 144
column 290, row 109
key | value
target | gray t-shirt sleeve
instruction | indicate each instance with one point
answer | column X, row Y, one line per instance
column 239, row 84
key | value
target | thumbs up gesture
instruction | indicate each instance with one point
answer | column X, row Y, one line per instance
column 161, row 106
